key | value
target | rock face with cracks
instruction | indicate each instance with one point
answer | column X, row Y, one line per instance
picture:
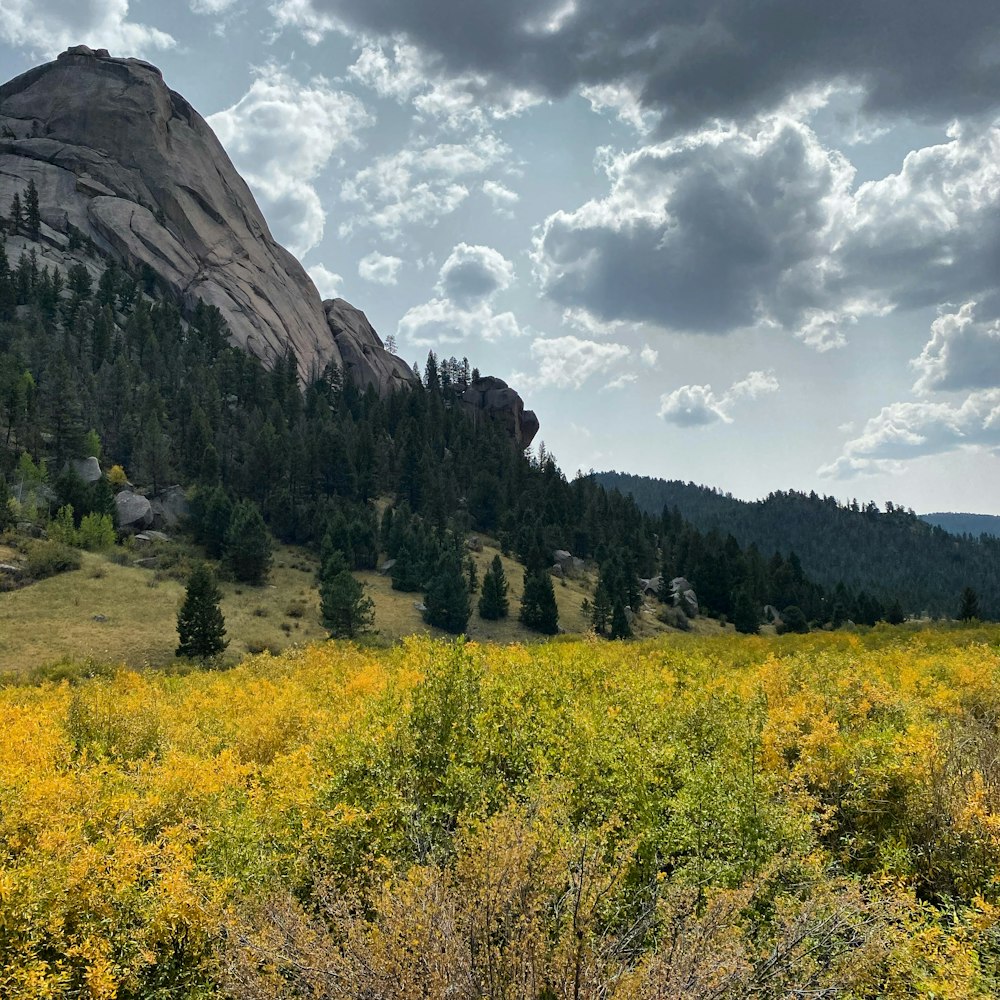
column 491, row 398
column 119, row 158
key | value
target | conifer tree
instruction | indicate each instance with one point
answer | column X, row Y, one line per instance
column 248, row 544
column 33, row 219
column 620, row 627
column 538, row 603
column 408, row 572
column 201, row 626
column 969, row 605
column 345, row 609
column 493, row 602
column 600, row 610
column 16, row 213
column 447, row 599
column 745, row 616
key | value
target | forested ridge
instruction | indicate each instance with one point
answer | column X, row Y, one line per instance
column 168, row 398
column 888, row 551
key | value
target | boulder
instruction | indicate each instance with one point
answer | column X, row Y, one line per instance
column 650, row 586
column 491, row 398
column 569, row 565
column 474, row 544
column 170, row 507
column 386, row 567
column 131, row 166
column 133, row 512
column 88, row 469
column 684, row 596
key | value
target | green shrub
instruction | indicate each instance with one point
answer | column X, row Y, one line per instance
column 49, row 557
column 97, row 531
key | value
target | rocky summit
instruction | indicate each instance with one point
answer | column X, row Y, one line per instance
column 125, row 163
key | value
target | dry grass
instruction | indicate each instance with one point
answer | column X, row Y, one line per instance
column 59, row 619
column 54, row 619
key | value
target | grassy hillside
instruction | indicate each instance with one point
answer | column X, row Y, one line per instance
column 116, row 613
column 684, row 817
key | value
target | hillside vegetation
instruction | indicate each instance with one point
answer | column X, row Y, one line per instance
column 683, row 817
column 889, row 553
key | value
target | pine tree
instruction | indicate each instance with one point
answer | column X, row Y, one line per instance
column 620, row 627
column 33, row 217
column 16, row 213
column 248, row 544
column 745, row 616
column 345, row 609
column 200, row 624
column 600, row 610
column 447, row 599
column 538, row 603
column 493, row 602
column 969, row 605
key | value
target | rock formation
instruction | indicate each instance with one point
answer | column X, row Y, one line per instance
column 133, row 512
column 129, row 164
column 365, row 360
column 492, row 398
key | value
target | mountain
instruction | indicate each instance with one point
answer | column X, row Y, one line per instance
column 886, row 552
column 965, row 524
column 121, row 161
column 148, row 316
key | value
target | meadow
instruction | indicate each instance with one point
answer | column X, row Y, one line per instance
column 686, row 816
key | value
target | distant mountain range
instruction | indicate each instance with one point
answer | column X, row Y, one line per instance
column 965, row 524
column 924, row 561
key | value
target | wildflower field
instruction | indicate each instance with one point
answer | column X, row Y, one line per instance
column 686, row 817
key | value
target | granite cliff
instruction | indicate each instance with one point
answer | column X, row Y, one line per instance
column 120, row 159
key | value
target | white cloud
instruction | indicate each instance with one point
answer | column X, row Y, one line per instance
column 47, row 27
column 394, row 71
column 282, row 134
column 761, row 225
column 441, row 321
column 301, row 15
column 568, row 362
column 211, row 6
column 326, row 281
column 648, row 356
column 502, row 197
column 961, row 354
column 379, row 268
column 397, row 70
column 623, row 102
column 474, row 273
column 418, row 184
column 621, row 382
column 700, row 406
column 907, row 430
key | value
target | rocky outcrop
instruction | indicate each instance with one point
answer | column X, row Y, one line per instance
column 120, row 159
column 684, row 596
column 133, row 512
column 170, row 507
column 88, row 469
column 491, row 398
column 366, row 361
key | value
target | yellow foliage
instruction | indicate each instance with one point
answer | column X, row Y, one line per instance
column 727, row 790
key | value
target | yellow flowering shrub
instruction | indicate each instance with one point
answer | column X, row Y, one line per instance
column 614, row 819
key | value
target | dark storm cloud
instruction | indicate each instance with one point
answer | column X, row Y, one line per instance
column 695, row 60
column 708, row 233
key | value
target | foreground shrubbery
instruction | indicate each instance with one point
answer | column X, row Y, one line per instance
column 687, row 818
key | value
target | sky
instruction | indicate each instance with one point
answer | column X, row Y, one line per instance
column 756, row 246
